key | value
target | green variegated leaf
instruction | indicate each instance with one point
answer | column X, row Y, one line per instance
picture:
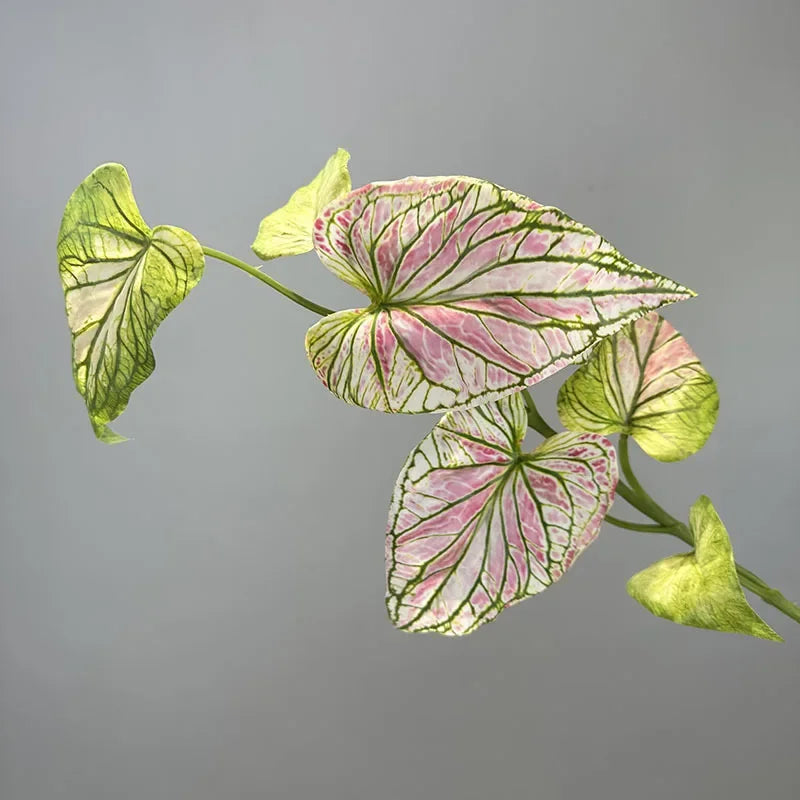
column 700, row 588
column 647, row 382
column 288, row 231
column 474, row 293
column 120, row 280
column 477, row 525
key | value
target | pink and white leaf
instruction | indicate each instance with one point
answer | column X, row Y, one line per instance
column 476, row 525
column 475, row 292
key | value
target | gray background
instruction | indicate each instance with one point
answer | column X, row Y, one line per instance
column 199, row 613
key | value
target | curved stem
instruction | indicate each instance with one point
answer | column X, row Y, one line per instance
column 264, row 278
column 664, row 520
column 643, row 501
column 535, row 419
column 636, row 526
column 625, row 464
column 637, row 497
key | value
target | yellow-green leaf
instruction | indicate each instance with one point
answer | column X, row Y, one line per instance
column 287, row 231
column 120, row 280
column 700, row 588
column 645, row 381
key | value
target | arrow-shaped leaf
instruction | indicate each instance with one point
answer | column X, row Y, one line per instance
column 120, row 279
column 475, row 292
column 476, row 525
column 700, row 588
column 645, row 381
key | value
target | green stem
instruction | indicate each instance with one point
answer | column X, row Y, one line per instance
column 648, row 506
column 264, row 278
column 535, row 419
column 625, row 464
column 637, row 526
column 641, row 500
column 652, row 510
column 767, row 593
column 637, row 497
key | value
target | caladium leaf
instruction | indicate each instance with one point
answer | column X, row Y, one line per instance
column 645, row 381
column 700, row 588
column 120, row 280
column 477, row 525
column 475, row 292
column 287, row 231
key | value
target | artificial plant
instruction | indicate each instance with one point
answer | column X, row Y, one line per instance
column 475, row 293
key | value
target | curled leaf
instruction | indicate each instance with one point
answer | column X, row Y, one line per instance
column 477, row 525
column 120, row 280
column 475, row 292
column 645, row 381
column 287, row 231
column 700, row 588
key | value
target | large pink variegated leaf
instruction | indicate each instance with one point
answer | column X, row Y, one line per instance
column 475, row 292
column 476, row 525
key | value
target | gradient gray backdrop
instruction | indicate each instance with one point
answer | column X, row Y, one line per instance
column 199, row 613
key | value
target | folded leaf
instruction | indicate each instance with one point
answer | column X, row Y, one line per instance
column 287, row 231
column 120, row 280
column 700, row 588
column 476, row 525
column 645, row 381
column 475, row 292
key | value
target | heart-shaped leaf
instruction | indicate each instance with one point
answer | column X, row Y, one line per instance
column 476, row 525
column 700, row 588
column 645, row 381
column 287, row 231
column 475, row 293
column 120, row 279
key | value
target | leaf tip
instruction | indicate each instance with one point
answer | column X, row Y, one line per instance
column 109, row 166
column 770, row 635
column 106, row 435
column 342, row 155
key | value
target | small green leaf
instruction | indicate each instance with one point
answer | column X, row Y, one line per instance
column 287, row 231
column 700, row 588
column 645, row 381
column 120, row 280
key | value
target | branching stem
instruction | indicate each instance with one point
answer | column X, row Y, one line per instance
column 632, row 491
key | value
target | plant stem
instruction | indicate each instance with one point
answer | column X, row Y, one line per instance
column 535, row 419
column 642, row 500
column 650, row 508
column 636, row 496
column 264, row 278
column 637, row 526
column 767, row 593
